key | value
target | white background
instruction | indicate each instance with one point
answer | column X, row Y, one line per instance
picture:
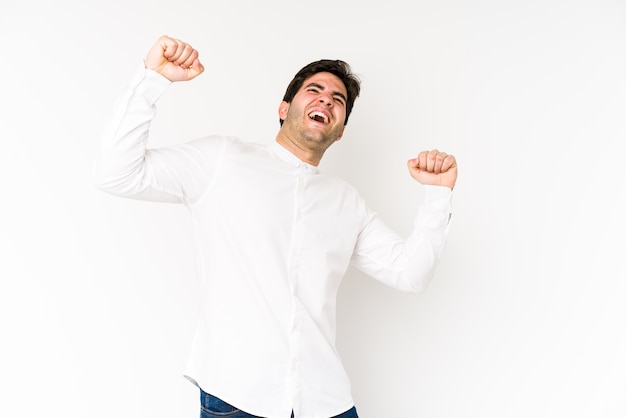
column 526, row 315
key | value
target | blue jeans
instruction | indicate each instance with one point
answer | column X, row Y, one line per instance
column 213, row 407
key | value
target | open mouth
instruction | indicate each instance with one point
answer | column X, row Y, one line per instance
column 318, row 117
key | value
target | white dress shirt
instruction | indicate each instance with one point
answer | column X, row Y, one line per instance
column 273, row 240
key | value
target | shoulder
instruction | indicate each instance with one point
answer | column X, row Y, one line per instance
column 221, row 143
column 212, row 142
column 338, row 182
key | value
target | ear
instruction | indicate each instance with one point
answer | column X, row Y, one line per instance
column 282, row 110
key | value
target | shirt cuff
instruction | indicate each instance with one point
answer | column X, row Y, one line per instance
column 438, row 198
column 149, row 84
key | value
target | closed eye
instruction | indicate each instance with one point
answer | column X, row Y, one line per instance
column 339, row 99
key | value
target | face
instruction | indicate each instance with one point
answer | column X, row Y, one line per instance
column 315, row 117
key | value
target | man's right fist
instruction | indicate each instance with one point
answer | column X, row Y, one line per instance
column 174, row 59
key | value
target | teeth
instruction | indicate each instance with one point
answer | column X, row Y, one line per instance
column 318, row 116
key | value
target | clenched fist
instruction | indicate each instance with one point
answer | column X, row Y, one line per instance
column 174, row 59
column 434, row 168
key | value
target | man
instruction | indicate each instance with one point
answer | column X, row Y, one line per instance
column 274, row 236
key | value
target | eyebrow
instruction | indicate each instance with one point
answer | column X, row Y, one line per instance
column 335, row 93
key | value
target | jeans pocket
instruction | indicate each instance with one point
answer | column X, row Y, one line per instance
column 212, row 406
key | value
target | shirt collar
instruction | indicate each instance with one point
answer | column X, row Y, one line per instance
column 287, row 156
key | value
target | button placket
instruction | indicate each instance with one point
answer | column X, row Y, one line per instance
column 298, row 236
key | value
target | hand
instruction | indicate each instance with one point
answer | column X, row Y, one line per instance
column 174, row 60
column 434, row 168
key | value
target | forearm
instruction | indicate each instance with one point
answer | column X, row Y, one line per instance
column 427, row 240
column 120, row 167
column 407, row 264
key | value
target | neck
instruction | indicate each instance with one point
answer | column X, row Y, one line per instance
column 307, row 155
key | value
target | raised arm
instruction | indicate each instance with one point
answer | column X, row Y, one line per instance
column 409, row 264
column 125, row 166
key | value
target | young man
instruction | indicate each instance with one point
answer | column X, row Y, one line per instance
column 274, row 236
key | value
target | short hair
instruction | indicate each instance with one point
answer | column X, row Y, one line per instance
column 339, row 68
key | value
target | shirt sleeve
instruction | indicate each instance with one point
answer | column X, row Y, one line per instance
column 126, row 167
column 406, row 264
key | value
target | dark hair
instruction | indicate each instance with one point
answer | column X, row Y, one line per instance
column 338, row 68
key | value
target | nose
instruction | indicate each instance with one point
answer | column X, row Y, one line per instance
column 326, row 99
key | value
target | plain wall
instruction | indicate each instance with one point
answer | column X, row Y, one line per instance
column 526, row 314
